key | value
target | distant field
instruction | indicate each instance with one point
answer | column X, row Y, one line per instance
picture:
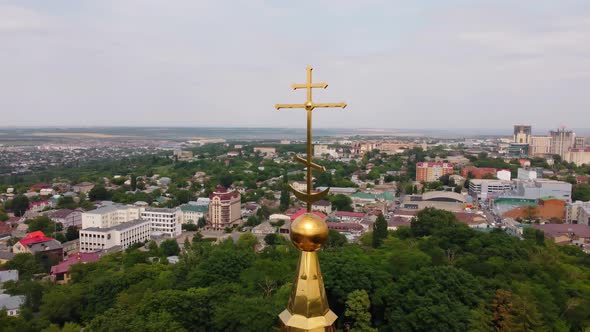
column 83, row 135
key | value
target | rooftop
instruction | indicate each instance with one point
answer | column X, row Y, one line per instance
column 110, row 208
column 162, row 210
column 556, row 230
column 75, row 258
column 34, row 237
column 119, row 227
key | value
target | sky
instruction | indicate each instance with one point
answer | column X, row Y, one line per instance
column 398, row 64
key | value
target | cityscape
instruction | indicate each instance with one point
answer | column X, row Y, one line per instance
column 150, row 181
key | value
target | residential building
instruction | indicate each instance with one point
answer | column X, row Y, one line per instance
column 37, row 207
column 561, row 141
column 60, row 273
column 202, row 201
column 578, row 156
column 484, row 188
column 37, row 243
column 478, row 172
column 322, row 206
column 183, row 155
column 299, row 185
column 540, row 146
column 578, row 213
column 579, row 142
column 346, row 216
column 527, row 174
column 504, row 174
column 347, row 191
column 522, row 134
column 224, row 208
column 302, row 211
column 350, row 230
column 8, row 275
column 83, row 187
column 320, row 150
column 565, row 233
column 264, row 229
column 110, row 215
column 432, row 171
column 122, row 235
column 11, row 303
column 265, row 150
column 66, row 217
column 5, row 230
column 473, row 220
column 192, row 213
column 395, row 147
column 164, row 220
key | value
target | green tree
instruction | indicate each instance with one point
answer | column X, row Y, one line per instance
column 252, row 221
column 341, row 202
column 581, row 192
column 285, row 199
column 202, row 222
column 170, row 247
column 43, row 224
column 72, row 233
column 429, row 220
column 247, row 241
column 133, row 182
column 20, row 204
column 379, row 231
column 335, row 239
column 271, row 239
column 66, row 203
column 226, row 180
column 99, row 193
column 26, row 264
column 183, row 196
column 432, row 299
column 357, row 312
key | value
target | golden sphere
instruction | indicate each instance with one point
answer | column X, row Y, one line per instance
column 309, row 232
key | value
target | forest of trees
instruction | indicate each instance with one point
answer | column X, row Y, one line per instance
column 438, row 275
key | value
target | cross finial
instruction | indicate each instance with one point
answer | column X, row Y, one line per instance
column 310, row 106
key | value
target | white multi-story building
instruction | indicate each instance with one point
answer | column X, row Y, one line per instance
column 163, row 220
column 124, row 234
column 192, row 213
column 320, row 150
column 487, row 188
column 578, row 213
column 561, row 141
column 110, row 215
column 526, row 174
column 544, row 188
column 578, row 156
column 540, row 146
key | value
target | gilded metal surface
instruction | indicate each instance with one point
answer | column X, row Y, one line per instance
column 308, row 308
column 309, row 106
column 309, row 232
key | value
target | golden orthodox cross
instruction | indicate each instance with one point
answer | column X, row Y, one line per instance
column 310, row 106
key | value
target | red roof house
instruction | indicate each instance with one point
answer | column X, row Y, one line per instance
column 302, row 211
column 60, row 273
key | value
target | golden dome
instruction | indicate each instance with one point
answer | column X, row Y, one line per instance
column 309, row 232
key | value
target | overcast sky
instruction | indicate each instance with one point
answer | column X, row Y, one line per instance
column 398, row 64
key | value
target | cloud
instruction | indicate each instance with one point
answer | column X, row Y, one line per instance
column 397, row 63
column 14, row 19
